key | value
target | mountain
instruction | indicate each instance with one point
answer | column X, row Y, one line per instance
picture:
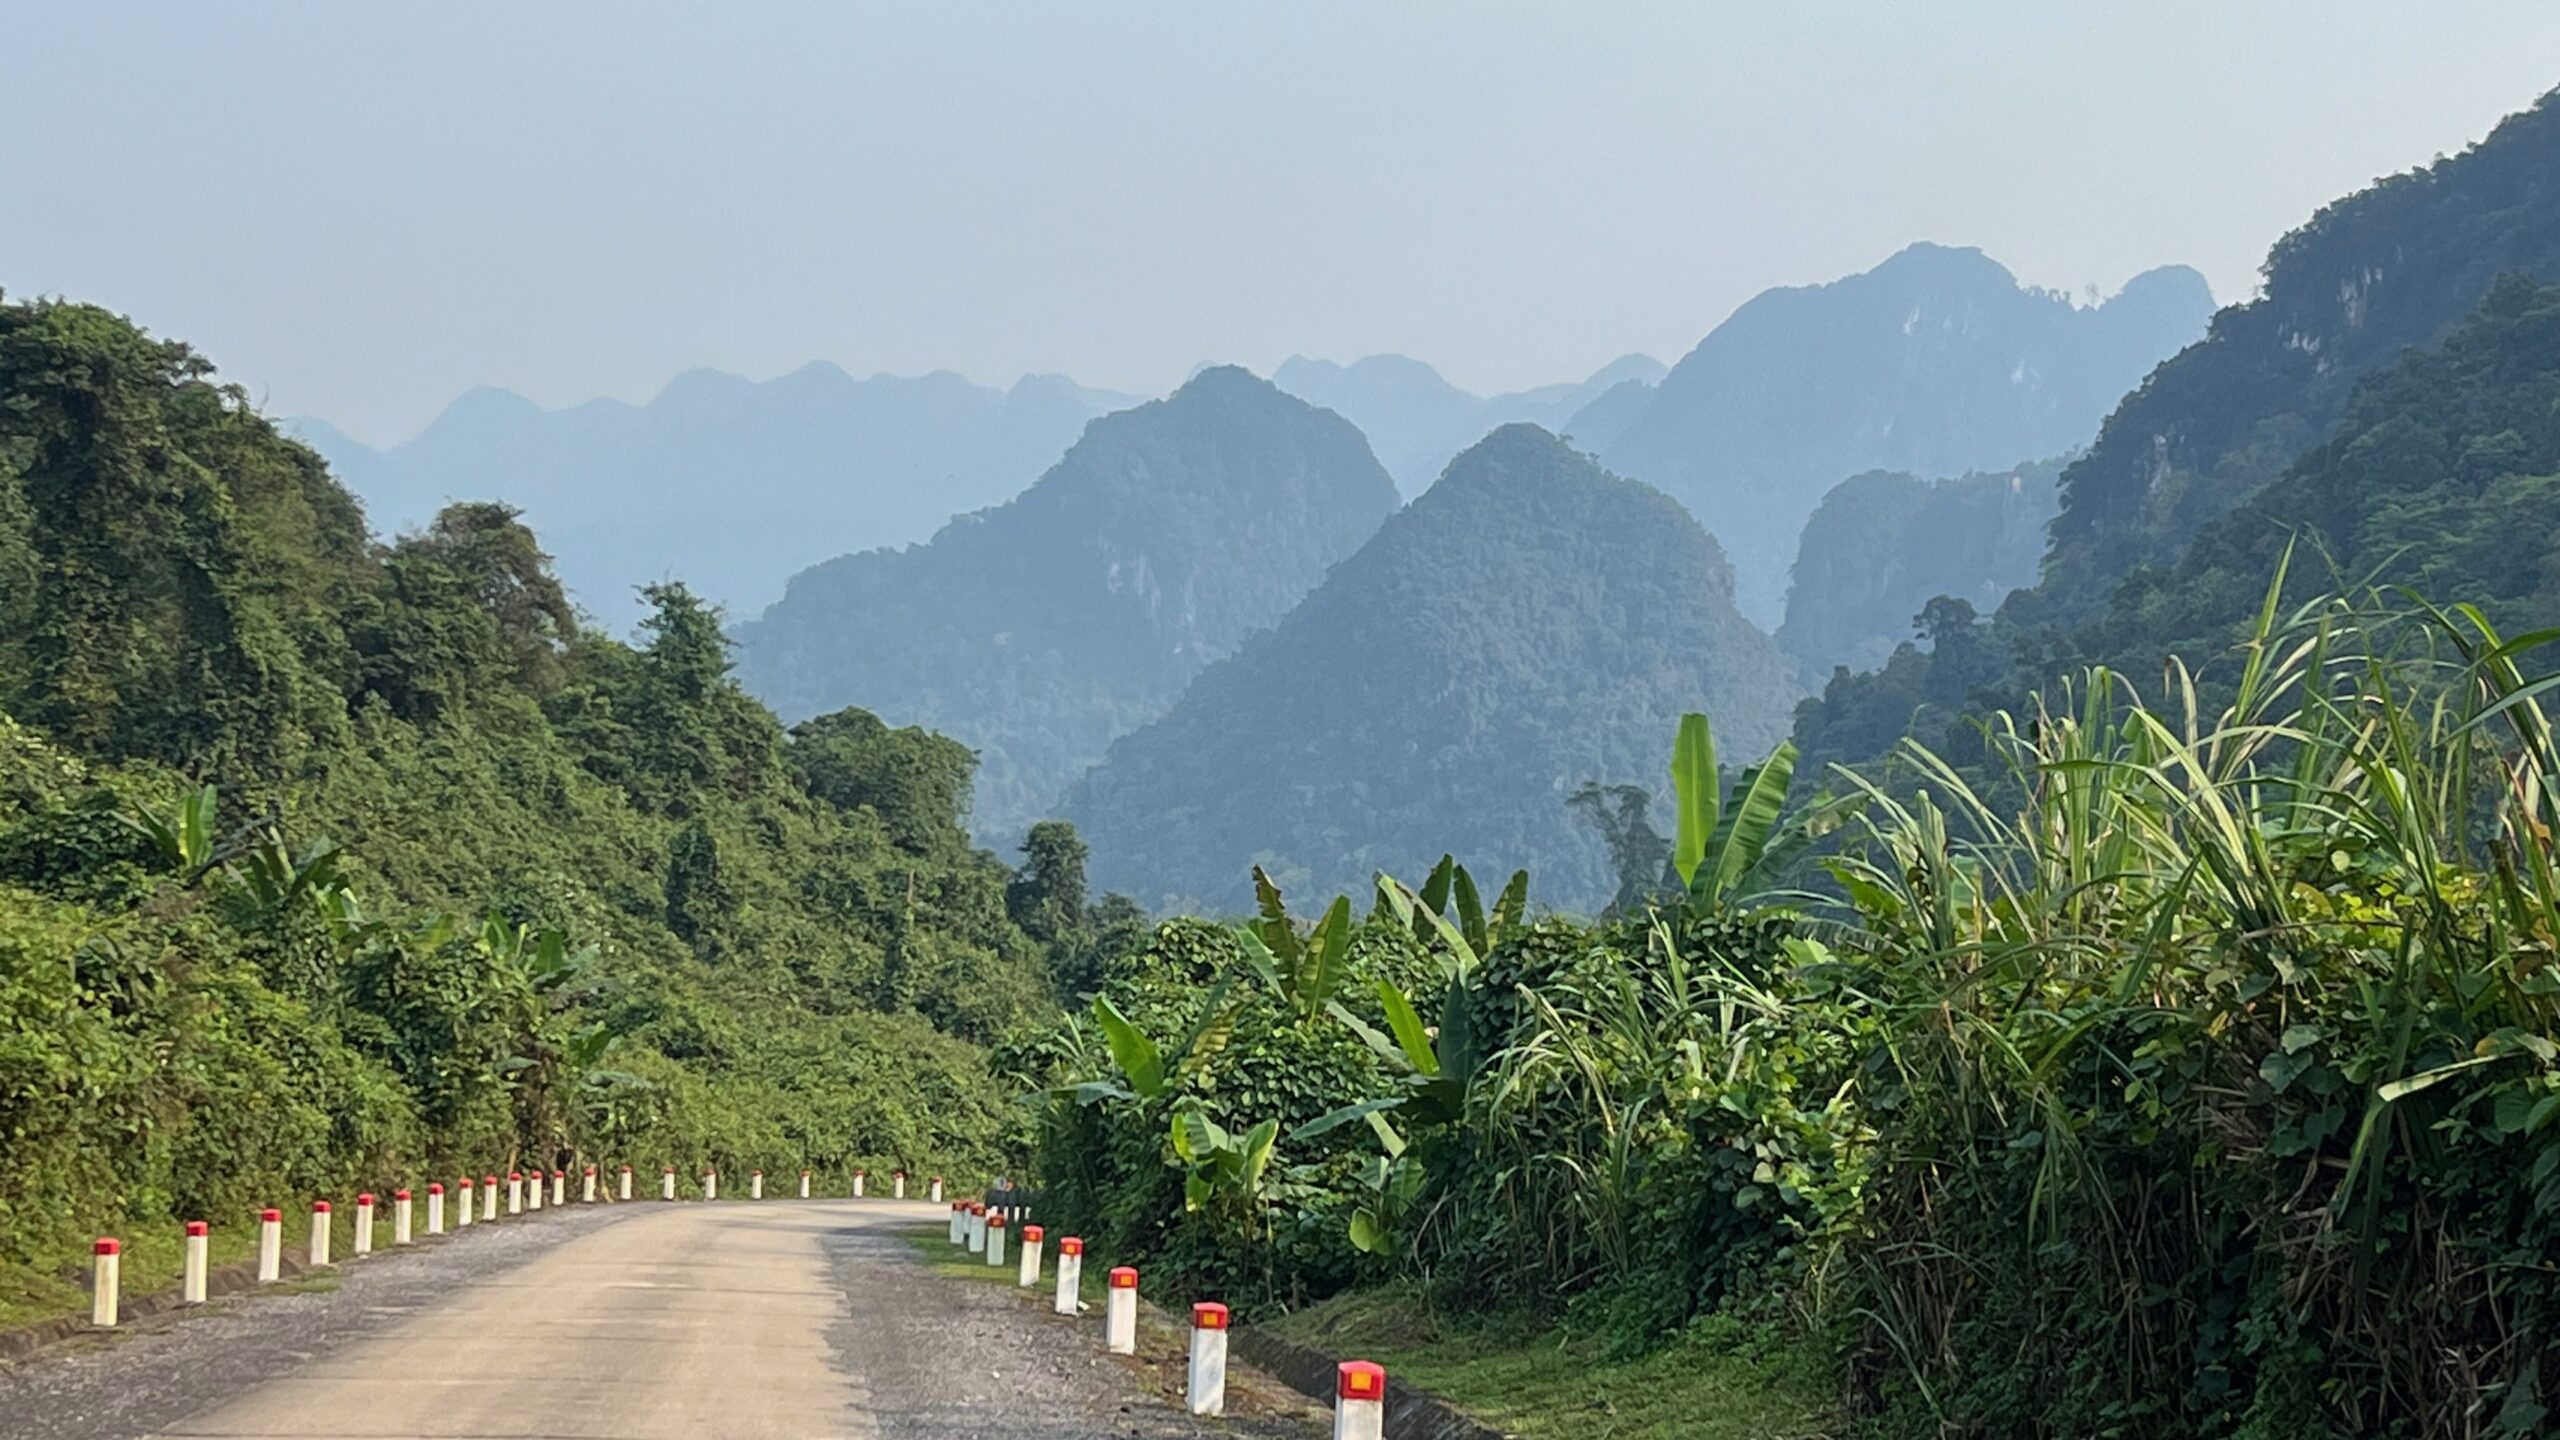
column 1416, row 420
column 1041, row 630
column 1883, row 544
column 1527, row 625
column 1935, row 363
column 725, row 483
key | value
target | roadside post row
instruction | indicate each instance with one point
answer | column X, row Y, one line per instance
column 106, row 1275
column 1360, row 1386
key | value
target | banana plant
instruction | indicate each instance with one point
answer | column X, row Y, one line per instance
column 185, row 838
column 1474, row 933
column 1304, row 972
column 1219, row 1163
column 1148, row 1071
column 1728, row 843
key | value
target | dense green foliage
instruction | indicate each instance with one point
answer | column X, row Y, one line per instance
column 1529, row 624
column 326, row 862
column 1882, row 545
column 1041, row 630
column 1936, row 362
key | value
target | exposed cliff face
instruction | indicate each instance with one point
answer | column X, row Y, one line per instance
column 1042, row 629
column 1529, row 624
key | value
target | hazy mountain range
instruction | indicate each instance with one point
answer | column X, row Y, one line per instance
column 1416, row 421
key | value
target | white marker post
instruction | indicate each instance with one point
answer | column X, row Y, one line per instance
column 319, row 1233
column 469, row 1203
column 1070, row 1274
column 515, row 1192
column 590, row 1196
column 755, row 1186
column 559, row 1187
column 1120, row 1313
column 1029, row 1273
column 710, row 1184
column 667, row 1184
column 898, row 1184
column 533, row 1191
column 270, row 1246
column 995, row 1241
column 936, row 1196
column 435, row 1206
column 106, row 1268
column 976, row 1231
column 1359, row 1401
column 804, row 1184
column 364, row 1223
column 488, row 1197
column 199, row 1263
column 959, row 1236
column 626, row 1182
column 857, row 1184
column 1208, row 1389
column 400, row 1205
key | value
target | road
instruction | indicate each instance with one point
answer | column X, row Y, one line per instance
column 727, row 1321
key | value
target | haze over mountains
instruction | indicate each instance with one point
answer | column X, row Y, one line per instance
column 730, row 485
column 1417, row 422
column 1042, row 629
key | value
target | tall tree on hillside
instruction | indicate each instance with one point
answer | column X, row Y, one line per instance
column 1046, row 896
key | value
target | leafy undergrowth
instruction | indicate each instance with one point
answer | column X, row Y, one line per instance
column 1531, row 1380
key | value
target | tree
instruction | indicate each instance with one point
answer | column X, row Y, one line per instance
column 1046, row 896
column 917, row 782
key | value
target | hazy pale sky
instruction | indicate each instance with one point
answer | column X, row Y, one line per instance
column 361, row 210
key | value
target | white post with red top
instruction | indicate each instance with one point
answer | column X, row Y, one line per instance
column 589, row 1195
column 804, row 1184
column 1208, row 1388
column 1120, row 1313
column 191, row 1276
column 710, row 1184
column 857, row 1184
column 400, row 1205
column 364, row 1223
column 898, row 1186
column 936, row 1196
column 319, row 1233
column 515, row 1192
column 533, row 1191
column 1029, row 1274
column 488, row 1197
column 469, row 1203
column 667, row 1186
column 626, row 1182
column 1359, row 1401
column 755, row 1186
column 977, row 1231
column 435, row 1207
column 995, row 1240
column 270, row 1246
column 559, row 1187
column 1070, row 1274
column 106, row 1277
column 959, row 1213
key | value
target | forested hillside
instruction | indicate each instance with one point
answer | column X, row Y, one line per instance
column 1882, row 545
column 1041, row 630
column 1530, row 625
column 730, row 483
column 1936, row 362
column 326, row 860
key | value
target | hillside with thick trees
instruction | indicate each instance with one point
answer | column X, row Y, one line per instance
column 1530, row 625
column 1041, row 630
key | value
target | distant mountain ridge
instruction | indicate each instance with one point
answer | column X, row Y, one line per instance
column 1041, row 629
column 1934, row 363
column 1528, row 624
column 1417, row 421
column 728, row 484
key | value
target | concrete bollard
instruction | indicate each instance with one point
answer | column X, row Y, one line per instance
column 1029, row 1273
column 958, row 1236
column 936, row 1196
column 710, row 1184
column 804, row 1184
column 468, row 1202
column 106, row 1266
column 199, row 1263
column 590, row 1196
column 667, row 1185
column 857, row 1184
column 533, row 1191
column 1208, row 1389
column 898, row 1182
column 515, row 1192
column 319, row 1233
column 435, row 1207
column 1120, row 1313
column 364, row 1224
column 995, row 1241
column 399, row 1217
column 755, row 1185
column 976, row 1230
column 626, row 1182
column 488, row 1197
column 270, row 1246
column 1070, row 1275
column 559, row 1187
column 1359, row 1401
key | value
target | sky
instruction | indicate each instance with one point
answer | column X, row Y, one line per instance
column 359, row 211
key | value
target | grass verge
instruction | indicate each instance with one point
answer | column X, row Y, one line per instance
column 1534, row 1381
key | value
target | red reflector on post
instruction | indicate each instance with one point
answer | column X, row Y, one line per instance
column 1208, row 1315
column 996, row 1221
column 1360, row 1380
column 1032, row 1233
column 109, row 1245
column 319, row 1207
column 1072, row 1245
column 515, row 1175
column 403, row 1194
column 1124, row 1278
column 271, row 1215
column 365, row 1199
column 198, row 1227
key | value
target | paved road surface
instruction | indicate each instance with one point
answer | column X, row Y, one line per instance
column 705, row 1322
